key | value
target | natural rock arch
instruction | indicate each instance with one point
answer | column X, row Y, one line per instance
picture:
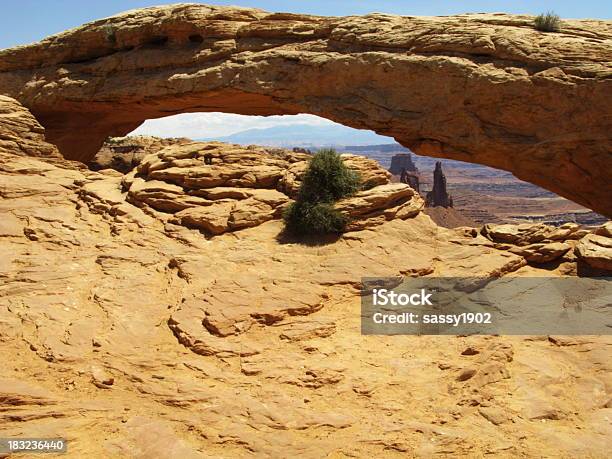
column 486, row 89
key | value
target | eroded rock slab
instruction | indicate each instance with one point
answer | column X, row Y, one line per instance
column 133, row 336
column 530, row 233
column 21, row 133
column 542, row 253
column 218, row 188
column 596, row 250
column 379, row 204
column 474, row 87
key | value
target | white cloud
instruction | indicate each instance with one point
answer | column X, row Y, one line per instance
column 211, row 125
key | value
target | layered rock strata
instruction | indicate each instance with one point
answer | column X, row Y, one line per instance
column 21, row 133
column 125, row 153
column 221, row 188
column 483, row 88
column 539, row 243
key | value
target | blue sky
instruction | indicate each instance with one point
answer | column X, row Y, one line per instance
column 27, row 21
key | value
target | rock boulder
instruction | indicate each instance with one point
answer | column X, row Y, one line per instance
column 21, row 133
column 596, row 250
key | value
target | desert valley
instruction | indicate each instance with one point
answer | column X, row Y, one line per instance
column 486, row 195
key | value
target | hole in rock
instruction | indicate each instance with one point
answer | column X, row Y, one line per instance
column 456, row 193
column 158, row 40
column 196, row 38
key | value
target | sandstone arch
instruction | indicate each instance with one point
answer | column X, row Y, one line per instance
column 480, row 88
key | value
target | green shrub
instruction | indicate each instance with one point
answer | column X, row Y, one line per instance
column 549, row 22
column 305, row 218
column 325, row 181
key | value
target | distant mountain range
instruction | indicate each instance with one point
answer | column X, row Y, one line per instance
column 305, row 135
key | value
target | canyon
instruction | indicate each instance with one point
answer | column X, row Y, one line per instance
column 483, row 194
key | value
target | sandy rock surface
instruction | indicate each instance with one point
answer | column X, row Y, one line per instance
column 528, row 233
column 219, row 188
column 596, row 250
column 21, row 133
column 125, row 153
column 133, row 336
column 540, row 244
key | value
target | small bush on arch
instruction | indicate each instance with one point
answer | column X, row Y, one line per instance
column 325, row 181
column 549, row 22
